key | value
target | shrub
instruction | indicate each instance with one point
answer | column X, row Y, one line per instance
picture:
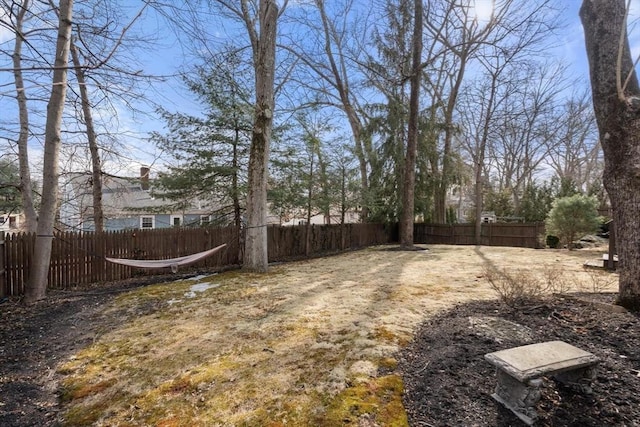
column 557, row 281
column 553, row 241
column 517, row 287
column 571, row 216
column 514, row 288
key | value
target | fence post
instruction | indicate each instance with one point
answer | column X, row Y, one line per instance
column 3, row 272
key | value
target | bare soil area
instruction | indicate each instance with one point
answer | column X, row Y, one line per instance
column 333, row 341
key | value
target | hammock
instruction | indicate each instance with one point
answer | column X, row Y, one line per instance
column 172, row 263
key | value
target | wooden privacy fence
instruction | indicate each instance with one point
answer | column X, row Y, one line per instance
column 78, row 258
column 493, row 234
column 288, row 242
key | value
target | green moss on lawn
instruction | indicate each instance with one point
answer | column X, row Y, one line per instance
column 379, row 398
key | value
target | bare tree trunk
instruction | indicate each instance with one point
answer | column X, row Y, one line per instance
column 616, row 101
column 264, row 52
column 326, row 187
column 480, row 159
column 341, row 83
column 307, row 243
column 440, row 198
column 343, row 206
column 96, row 167
column 26, row 191
column 36, row 286
column 237, row 211
column 408, row 193
column 356, row 129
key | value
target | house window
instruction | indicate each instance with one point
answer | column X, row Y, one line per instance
column 147, row 222
column 176, row 220
column 205, row 219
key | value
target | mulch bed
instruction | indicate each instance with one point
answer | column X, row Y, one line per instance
column 448, row 382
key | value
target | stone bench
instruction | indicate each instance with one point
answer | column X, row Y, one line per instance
column 519, row 370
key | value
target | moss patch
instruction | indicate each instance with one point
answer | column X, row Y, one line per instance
column 379, row 400
column 78, row 390
column 384, row 334
column 388, row 363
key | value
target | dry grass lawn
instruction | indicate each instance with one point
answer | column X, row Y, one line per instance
column 309, row 343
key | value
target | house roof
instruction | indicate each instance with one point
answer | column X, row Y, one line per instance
column 124, row 196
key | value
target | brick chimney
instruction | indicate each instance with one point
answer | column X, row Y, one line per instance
column 144, row 177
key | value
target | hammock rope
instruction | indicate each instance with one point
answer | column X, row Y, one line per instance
column 172, row 263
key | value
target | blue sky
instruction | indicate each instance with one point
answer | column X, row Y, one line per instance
column 569, row 48
column 168, row 57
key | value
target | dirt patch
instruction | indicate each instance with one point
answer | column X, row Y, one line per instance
column 310, row 343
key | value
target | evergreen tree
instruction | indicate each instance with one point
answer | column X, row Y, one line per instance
column 389, row 74
column 500, row 202
column 9, row 186
column 286, row 190
column 566, row 187
column 209, row 153
column 536, row 202
column 571, row 216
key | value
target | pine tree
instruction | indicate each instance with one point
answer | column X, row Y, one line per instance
column 209, row 153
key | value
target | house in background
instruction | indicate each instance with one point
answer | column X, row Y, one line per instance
column 459, row 198
column 127, row 204
column 351, row 217
column 11, row 222
column 488, row 217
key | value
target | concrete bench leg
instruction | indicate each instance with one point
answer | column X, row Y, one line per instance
column 519, row 397
column 578, row 379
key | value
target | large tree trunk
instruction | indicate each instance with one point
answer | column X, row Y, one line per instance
column 617, row 109
column 26, row 191
column 362, row 147
column 96, row 166
column 264, row 52
column 408, row 190
column 37, row 283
